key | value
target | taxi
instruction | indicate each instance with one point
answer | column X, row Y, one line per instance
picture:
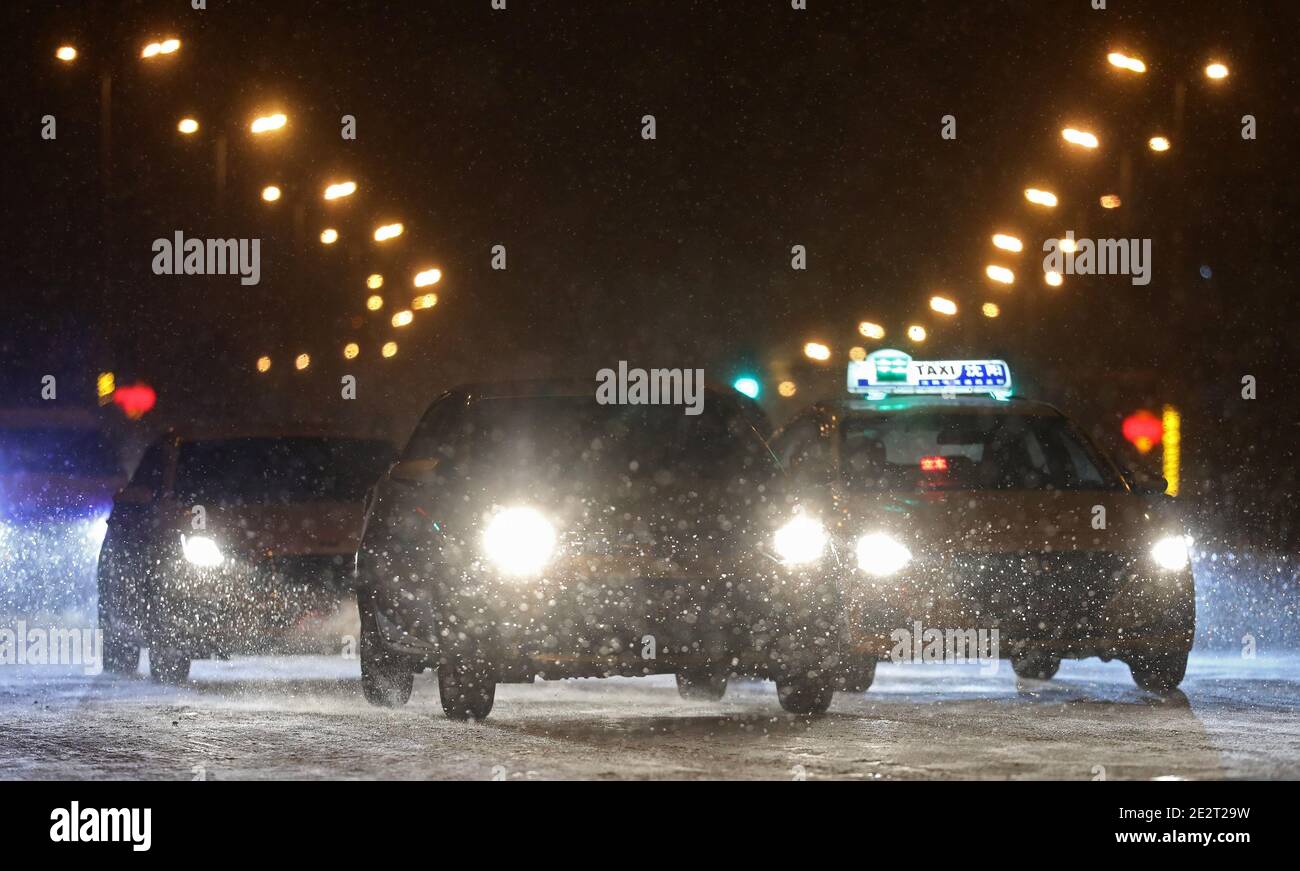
column 956, row 508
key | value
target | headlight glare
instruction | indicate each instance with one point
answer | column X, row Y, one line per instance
column 1170, row 553
column 881, row 555
column 801, row 541
column 201, row 551
column 519, row 541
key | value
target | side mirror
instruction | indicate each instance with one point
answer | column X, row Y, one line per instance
column 134, row 494
column 413, row 471
column 1146, row 485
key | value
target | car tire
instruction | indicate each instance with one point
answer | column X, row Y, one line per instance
column 168, row 666
column 386, row 677
column 805, row 696
column 1159, row 671
column 466, row 691
column 701, row 686
column 856, row 675
column 120, row 655
column 1036, row 665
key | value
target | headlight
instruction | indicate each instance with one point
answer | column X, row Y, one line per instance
column 519, row 541
column 1171, row 553
column 201, row 551
column 881, row 555
column 801, row 541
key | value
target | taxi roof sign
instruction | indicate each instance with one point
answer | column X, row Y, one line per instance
column 894, row 373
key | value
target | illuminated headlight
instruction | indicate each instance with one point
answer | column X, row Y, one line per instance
column 519, row 541
column 96, row 530
column 201, row 551
column 881, row 555
column 1171, row 553
column 801, row 541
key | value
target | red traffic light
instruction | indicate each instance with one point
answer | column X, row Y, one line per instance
column 1143, row 429
column 135, row 399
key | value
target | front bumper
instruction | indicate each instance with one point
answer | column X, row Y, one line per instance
column 597, row 616
column 284, row 605
column 1073, row 605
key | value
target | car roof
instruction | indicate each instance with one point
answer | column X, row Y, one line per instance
column 221, row 435
column 929, row 403
column 545, row 387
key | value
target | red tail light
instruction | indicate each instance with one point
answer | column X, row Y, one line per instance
column 934, row 464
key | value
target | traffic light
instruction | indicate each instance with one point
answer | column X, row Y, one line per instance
column 1143, row 429
column 748, row 385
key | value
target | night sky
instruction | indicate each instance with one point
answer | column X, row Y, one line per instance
column 775, row 127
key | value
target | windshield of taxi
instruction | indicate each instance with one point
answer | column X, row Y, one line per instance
column 566, row 434
column 970, row 450
column 268, row 470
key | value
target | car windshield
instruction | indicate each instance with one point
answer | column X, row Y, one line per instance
column 567, row 433
column 279, row 469
column 57, row 451
column 969, row 450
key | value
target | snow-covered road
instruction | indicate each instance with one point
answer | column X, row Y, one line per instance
column 303, row 717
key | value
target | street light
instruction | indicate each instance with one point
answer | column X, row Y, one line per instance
column 389, row 349
column 990, row 310
column 188, row 126
column 428, row 300
column 263, row 364
column 1110, row 201
column 1053, row 278
column 1216, row 70
column 267, row 123
column 1067, row 245
column 1007, row 243
column 302, row 361
column 340, row 190
column 1082, row 138
column 350, row 351
column 270, row 193
column 943, row 305
column 1124, row 62
column 1040, row 197
column 916, row 333
column 166, row 46
column 817, row 351
column 428, row 277
column 374, row 281
column 329, row 236
column 375, row 302
column 1000, row 274
column 402, row 318
column 66, row 53
column 787, row 389
column 1158, row 143
column 385, row 232
column 871, row 331
column 857, row 353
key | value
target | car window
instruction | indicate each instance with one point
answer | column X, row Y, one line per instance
column 969, row 451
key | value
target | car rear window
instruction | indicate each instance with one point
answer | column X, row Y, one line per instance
column 280, row 469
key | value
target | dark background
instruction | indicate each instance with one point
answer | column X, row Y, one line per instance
column 775, row 127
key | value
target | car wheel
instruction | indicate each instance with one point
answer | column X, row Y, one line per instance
column 856, row 675
column 466, row 691
column 806, row 696
column 121, row 655
column 168, row 666
column 1159, row 671
column 1036, row 665
column 386, row 677
column 701, row 686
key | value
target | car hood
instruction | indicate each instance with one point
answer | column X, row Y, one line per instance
column 1015, row 521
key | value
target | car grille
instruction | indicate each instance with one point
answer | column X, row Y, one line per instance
column 1042, row 593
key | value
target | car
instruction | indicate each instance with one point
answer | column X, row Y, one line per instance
column 529, row 531
column 225, row 544
column 956, row 505
column 58, row 473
